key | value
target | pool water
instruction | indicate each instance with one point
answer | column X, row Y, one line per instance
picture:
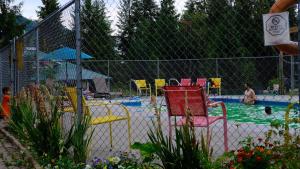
column 253, row 113
column 239, row 113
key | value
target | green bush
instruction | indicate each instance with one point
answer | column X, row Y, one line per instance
column 185, row 153
column 36, row 119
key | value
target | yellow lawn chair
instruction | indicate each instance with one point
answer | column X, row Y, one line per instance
column 108, row 118
column 216, row 84
column 159, row 83
column 142, row 85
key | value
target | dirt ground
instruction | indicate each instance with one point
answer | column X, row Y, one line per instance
column 10, row 156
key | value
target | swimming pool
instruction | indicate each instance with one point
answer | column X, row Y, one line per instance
column 236, row 112
column 242, row 113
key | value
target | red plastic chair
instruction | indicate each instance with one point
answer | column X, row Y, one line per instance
column 201, row 82
column 191, row 99
column 185, row 82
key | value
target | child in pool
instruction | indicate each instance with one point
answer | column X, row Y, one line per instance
column 268, row 110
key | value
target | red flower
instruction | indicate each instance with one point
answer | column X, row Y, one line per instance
column 258, row 158
column 248, row 155
column 240, row 159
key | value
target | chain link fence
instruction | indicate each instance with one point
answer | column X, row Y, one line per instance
column 127, row 40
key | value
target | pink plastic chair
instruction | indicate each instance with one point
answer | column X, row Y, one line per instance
column 185, row 82
column 191, row 99
column 201, row 82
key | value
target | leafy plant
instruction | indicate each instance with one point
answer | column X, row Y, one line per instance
column 280, row 148
column 79, row 138
column 252, row 155
column 273, row 81
column 121, row 161
column 185, row 152
column 62, row 162
column 36, row 119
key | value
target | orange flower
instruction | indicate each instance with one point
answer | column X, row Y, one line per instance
column 260, row 148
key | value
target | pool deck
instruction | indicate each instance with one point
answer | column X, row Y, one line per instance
column 142, row 118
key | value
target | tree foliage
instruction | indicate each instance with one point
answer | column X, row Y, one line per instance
column 96, row 30
column 48, row 7
column 9, row 27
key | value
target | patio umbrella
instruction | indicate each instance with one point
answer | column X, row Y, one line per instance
column 64, row 54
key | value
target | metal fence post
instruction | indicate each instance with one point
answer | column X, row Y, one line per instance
column 298, row 23
column 281, row 74
column 108, row 72
column 14, row 65
column 157, row 68
column 37, row 56
column 292, row 73
column 78, row 61
column 11, row 66
column 217, row 68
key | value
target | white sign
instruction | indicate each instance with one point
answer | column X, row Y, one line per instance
column 276, row 28
column 30, row 48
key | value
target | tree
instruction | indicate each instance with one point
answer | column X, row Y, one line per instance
column 125, row 27
column 51, row 31
column 49, row 7
column 143, row 19
column 9, row 27
column 167, row 31
column 96, row 30
column 193, row 31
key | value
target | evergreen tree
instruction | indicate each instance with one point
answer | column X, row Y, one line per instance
column 149, row 10
column 48, row 7
column 51, row 31
column 9, row 27
column 125, row 27
column 144, row 15
column 167, row 31
column 193, row 31
column 96, row 30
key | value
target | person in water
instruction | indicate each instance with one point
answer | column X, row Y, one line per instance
column 249, row 95
column 268, row 110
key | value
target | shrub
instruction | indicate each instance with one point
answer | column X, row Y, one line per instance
column 36, row 119
column 186, row 152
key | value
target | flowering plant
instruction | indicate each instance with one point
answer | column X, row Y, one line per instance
column 252, row 154
column 122, row 161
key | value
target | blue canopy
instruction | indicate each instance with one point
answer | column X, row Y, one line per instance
column 64, row 53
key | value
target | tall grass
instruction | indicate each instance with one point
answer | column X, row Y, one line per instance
column 184, row 152
column 36, row 119
column 80, row 138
